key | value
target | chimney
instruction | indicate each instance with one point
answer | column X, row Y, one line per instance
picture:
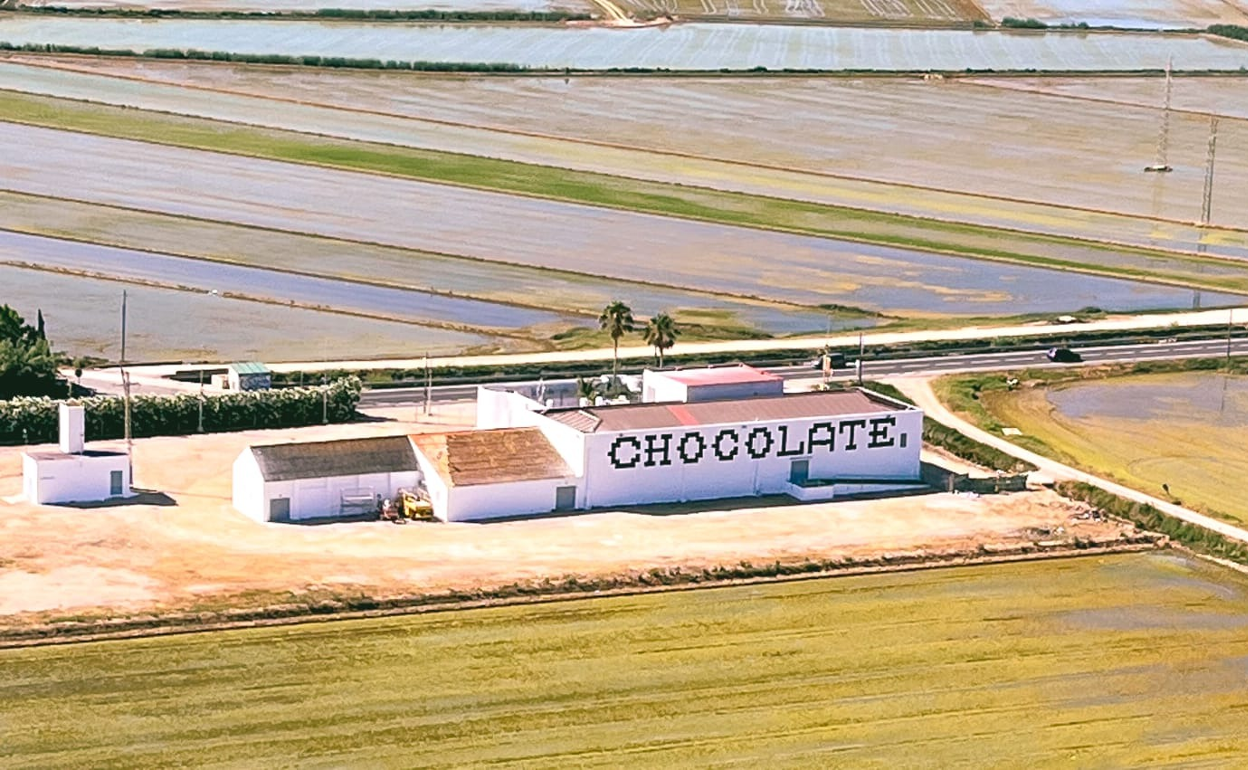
column 73, row 428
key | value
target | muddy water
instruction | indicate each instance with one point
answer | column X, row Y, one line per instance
column 1215, row 399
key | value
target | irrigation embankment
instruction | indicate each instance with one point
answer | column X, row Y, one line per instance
column 326, row 608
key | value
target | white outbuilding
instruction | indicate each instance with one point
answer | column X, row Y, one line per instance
column 322, row 479
column 71, row 473
column 489, row 474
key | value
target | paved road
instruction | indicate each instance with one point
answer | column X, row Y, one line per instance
column 889, row 367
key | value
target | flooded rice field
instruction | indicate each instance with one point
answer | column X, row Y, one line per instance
column 1226, row 96
column 1180, row 436
column 82, row 316
column 541, row 233
column 682, row 47
column 489, row 282
column 897, row 145
column 400, row 304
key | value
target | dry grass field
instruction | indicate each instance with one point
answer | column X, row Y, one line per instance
column 1183, row 431
column 1136, row 14
column 1125, row 661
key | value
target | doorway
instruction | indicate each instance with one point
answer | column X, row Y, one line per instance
column 799, row 471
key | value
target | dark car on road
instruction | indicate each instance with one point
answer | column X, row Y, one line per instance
column 1063, row 355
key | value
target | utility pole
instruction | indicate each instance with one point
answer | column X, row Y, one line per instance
column 428, row 385
column 125, row 387
column 1230, row 323
column 324, row 402
column 862, row 349
column 1163, row 139
column 1206, row 204
column 201, row 400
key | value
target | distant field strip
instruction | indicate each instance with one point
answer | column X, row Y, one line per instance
column 918, row 12
column 1225, row 96
column 439, row 274
column 1114, row 661
column 690, row 47
column 545, row 233
column 955, row 152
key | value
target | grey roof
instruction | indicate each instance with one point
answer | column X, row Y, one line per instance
column 323, row 459
column 728, row 411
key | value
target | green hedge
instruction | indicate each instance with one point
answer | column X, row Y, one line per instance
column 34, row 420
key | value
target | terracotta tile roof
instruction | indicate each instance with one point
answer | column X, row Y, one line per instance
column 498, row 456
column 346, row 457
column 597, row 419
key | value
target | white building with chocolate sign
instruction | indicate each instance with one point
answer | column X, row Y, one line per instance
column 698, row 435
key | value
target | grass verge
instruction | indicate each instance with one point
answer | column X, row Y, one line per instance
column 952, row 441
column 1146, row 517
column 606, row 191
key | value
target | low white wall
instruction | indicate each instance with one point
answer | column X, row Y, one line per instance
column 322, row 498
column 74, row 478
column 495, row 501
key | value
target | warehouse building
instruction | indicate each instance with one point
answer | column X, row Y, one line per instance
column 322, row 479
column 698, row 435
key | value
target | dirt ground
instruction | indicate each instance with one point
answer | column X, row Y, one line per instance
column 195, row 549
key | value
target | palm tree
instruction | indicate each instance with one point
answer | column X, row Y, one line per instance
column 586, row 389
column 616, row 320
column 661, row 332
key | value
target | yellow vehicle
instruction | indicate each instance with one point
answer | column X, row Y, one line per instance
column 413, row 507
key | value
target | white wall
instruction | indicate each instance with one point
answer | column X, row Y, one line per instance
column 687, row 476
column 309, row 498
column 434, row 485
column 658, row 387
column 248, row 490
column 74, row 478
column 490, row 501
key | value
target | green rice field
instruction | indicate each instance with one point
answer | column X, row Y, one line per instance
column 1093, row 662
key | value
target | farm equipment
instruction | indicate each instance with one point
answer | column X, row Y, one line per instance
column 408, row 507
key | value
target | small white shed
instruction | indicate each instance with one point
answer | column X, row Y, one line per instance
column 689, row 386
column 71, row 473
column 322, row 479
column 492, row 474
column 249, row 375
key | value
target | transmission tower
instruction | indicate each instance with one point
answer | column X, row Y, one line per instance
column 1163, row 138
column 1206, row 203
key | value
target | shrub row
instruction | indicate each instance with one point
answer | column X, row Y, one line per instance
column 34, row 420
column 1233, row 31
column 1147, row 517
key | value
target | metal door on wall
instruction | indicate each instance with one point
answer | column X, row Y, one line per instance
column 565, row 498
column 799, row 471
column 279, row 509
column 114, row 483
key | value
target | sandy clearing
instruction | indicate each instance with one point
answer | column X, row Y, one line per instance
column 140, row 556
